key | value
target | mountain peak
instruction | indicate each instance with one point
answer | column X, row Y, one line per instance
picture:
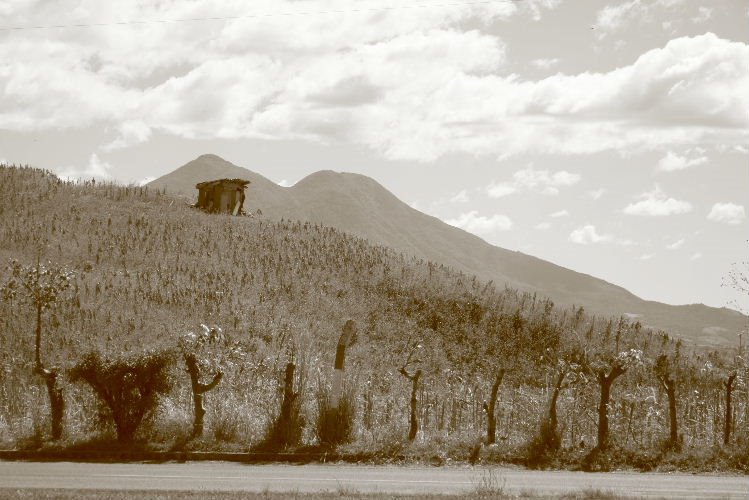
column 339, row 180
column 211, row 157
column 359, row 205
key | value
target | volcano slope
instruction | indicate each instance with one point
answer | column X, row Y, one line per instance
column 360, row 206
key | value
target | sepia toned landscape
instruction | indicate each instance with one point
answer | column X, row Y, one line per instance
column 442, row 368
column 353, row 249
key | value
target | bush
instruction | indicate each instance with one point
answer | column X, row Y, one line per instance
column 335, row 425
column 129, row 387
column 286, row 429
column 543, row 446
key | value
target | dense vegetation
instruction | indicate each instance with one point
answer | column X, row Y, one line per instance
column 462, row 360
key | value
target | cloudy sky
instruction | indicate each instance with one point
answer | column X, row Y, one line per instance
column 608, row 136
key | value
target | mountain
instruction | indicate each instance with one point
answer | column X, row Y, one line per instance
column 359, row 205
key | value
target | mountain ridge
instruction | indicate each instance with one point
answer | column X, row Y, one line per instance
column 361, row 206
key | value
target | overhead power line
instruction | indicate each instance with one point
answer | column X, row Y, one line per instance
column 254, row 16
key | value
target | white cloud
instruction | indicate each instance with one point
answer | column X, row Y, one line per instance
column 408, row 83
column 481, row 225
column 611, row 17
column 647, row 256
column 543, row 226
column 460, row 197
column 656, row 203
column 728, row 213
column 617, row 16
column 561, row 213
column 672, row 162
column 696, row 256
column 676, row 244
column 597, row 194
column 587, row 234
column 500, row 189
column 95, row 169
column 130, row 133
column 545, row 63
column 703, row 14
column 529, row 179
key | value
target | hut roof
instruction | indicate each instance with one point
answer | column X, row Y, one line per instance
column 238, row 182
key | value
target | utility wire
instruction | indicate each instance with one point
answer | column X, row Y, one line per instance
column 254, row 16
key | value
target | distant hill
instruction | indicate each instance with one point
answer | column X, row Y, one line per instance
column 359, row 205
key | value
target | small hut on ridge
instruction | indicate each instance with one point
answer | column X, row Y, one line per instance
column 222, row 196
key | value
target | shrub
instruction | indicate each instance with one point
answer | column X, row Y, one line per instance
column 129, row 387
column 543, row 446
column 286, row 430
column 335, row 425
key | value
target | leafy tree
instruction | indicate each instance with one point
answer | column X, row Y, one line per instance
column 129, row 386
column 41, row 286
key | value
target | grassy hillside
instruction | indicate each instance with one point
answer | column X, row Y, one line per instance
column 360, row 206
column 148, row 268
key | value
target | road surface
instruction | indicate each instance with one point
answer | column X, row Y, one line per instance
column 223, row 476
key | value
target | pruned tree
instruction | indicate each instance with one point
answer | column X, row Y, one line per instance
column 665, row 371
column 129, row 386
column 569, row 371
column 198, row 351
column 737, row 279
column 728, row 384
column 606, row 370
column 508, row 350
column 41, row 286
column 414, row 378
column 491, row 408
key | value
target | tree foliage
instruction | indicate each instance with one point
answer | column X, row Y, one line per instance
column 129, row 387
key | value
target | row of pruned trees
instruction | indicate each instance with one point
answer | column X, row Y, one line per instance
column 571, row 360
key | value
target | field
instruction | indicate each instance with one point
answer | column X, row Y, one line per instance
column 441, row 362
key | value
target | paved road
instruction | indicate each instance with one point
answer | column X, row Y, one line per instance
column 222, row 476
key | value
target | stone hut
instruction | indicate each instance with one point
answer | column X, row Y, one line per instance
column 222, row 196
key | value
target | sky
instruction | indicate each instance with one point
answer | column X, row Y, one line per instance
column 607, row 136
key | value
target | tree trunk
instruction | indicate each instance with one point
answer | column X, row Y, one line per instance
column 198, row 390
column 56, row 400
column 288, row 393
column 38, row 341
column 727, row 424
column 552, row 436
column 414, row 422
column 553, row 401
column 673, row 437
column 605, row 381
column 491, row 417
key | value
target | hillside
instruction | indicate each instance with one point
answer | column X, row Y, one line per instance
column 147, row 269
column 360, row 206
